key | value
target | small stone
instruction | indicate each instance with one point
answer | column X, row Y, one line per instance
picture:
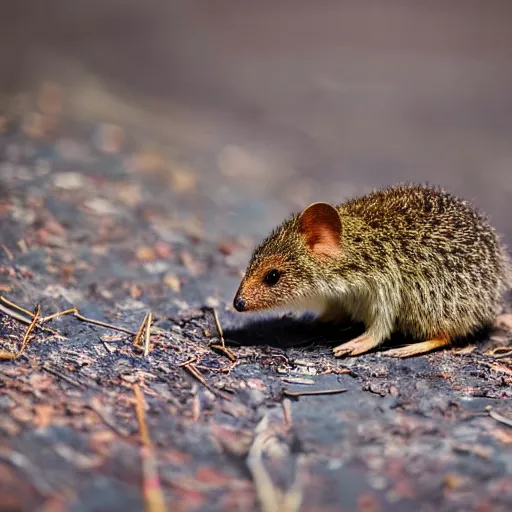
column 69, row 180
column 101, row 206
column 156, row 267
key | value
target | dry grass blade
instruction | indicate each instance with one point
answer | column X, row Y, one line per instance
column 138, row 335
column 289, row 392
column 9, row 355
column 15, row 306
column 148, row 335
column 151, row 486
column 498, row 417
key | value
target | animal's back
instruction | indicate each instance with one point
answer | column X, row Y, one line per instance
column 449, row 259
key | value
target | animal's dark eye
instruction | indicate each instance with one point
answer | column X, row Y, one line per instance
column 272, row 277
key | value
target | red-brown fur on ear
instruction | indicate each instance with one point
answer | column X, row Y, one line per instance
column 320, row 224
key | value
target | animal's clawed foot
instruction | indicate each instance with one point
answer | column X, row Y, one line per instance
column 402, row 352
column 418, row 349
column 356, row 347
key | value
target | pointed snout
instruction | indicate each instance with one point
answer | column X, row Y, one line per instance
column 239, row 303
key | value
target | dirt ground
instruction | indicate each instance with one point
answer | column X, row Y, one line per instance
column 142, row 156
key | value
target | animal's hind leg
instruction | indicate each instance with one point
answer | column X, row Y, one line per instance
column 417, row 349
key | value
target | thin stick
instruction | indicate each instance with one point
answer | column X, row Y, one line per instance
column 289, row 392
column 195, row 372
column 500, row 418
column 148, row 332
column 151, row 485
column 188, row 361
column 69, row 311
column 69, row 380
column 74, row 311
column 103, row 324
column 9, row 355
column 8, row 252
column 222, row 347
column 24, row 320
column 219, row 328
column 19, row 308
column 191, row 368
column 136, row 341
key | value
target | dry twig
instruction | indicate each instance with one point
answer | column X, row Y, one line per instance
column 23, row 319
column 8, row 252
column 9, row 355
column 289, row 392
column 151, row 486
column 60, row 375
column 498, row 417
column 271, row 498
column 138, row 335
column 74, row 311
column 222, row 347
column 191, row 368
column 148, row 334
column 145, row 328
column 15, row 306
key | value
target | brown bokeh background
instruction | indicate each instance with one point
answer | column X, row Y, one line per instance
column 352, row 94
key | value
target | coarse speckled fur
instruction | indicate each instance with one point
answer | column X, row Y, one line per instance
column 413, row 259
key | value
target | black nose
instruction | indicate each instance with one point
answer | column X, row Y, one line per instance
column 239, row 304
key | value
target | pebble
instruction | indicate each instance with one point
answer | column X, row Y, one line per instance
column 101, row 206
column 69, row 180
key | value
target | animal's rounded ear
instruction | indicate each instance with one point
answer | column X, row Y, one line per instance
column 320, row 224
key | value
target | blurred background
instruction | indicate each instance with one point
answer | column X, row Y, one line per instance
column 274, row 104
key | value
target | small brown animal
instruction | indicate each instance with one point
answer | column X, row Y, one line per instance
column 410, row 259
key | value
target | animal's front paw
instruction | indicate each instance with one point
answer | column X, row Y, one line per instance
column 356, row 347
